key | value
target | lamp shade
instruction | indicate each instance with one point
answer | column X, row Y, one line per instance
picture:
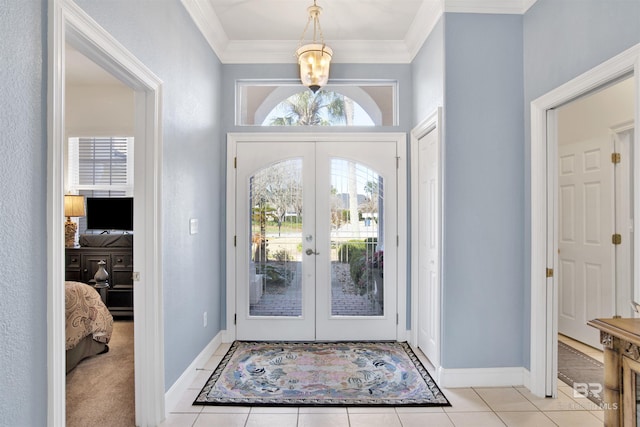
column 314, row 60
column 73, row 205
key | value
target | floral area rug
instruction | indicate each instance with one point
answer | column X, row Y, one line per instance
column 321, row 374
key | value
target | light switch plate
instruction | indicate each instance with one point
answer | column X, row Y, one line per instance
column 193, row 226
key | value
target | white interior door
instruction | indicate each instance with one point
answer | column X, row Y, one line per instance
column 585, row 229
column 316, row 240
column 624, row 222
column 428, row 247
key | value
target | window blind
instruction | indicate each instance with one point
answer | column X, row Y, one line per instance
column 100, row 167
column 101, row 164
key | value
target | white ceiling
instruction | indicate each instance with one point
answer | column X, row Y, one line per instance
column 359, row 31
column 269, row 31
column 80, row 70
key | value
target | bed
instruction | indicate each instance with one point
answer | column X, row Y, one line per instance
column 88, row 323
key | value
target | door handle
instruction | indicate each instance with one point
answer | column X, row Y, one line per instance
column 311, row 252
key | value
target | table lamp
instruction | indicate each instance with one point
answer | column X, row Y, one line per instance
column 73, row 206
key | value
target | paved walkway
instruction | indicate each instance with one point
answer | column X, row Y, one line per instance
column 286, row 300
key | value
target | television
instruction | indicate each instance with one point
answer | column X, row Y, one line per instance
column 110, row 213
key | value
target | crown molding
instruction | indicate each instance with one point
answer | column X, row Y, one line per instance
column 424, row 22
column 516, row 7
column 345, row 51
column 209, row 25
column 527, row 4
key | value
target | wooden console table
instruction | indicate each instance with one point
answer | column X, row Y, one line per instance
column 621, row 341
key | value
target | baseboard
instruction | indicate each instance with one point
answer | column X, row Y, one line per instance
column 179, row 388
column 526, row 378
column 481, row 377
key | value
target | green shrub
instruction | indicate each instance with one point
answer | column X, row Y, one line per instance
column 358, row 253
column 275, row 274
column 351, row 249
column 282, row 255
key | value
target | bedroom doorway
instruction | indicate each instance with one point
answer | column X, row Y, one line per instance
column 69, row 24
column 311, row 214
column 100, row 170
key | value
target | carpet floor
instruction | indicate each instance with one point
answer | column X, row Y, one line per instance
column 577, row 367
column 321, row 374
column 100, row 390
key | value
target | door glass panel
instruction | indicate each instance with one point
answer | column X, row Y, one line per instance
column 357, row 240
column 275, row 269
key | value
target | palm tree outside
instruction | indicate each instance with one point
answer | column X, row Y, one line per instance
column 324, row 108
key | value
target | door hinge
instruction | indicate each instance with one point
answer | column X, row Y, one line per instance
column 616, row 239
column 235, row 319
column 615, row 158
column 235, row 163
column 397, row 318
column 549, row 272
column 397, row 162
column 398, row 241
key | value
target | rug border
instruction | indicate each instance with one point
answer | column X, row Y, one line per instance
column 564, row 378
column 435, row 389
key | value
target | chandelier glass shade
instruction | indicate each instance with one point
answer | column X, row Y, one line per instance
column 314, row 58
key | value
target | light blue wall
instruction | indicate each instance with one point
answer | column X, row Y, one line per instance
column 563, row 39
column 428, row 75
column 483, row 202
column 162, row 35
column 427, row 94
column 23, row 172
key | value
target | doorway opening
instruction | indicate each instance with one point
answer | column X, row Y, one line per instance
column 100, row 172
column 70, row 25
column 594, row 136
column 544, row 213
column 595, row 209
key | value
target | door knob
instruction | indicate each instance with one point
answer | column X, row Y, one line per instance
column 311, row 252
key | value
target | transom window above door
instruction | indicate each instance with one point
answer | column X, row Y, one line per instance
column 263, row 103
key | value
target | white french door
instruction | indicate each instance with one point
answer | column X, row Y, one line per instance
column 316, row 250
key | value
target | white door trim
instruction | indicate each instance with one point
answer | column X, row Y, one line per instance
column 624, row 225
column 234, row 138
column 433, row 123
column 543, row 209
column 68, row 22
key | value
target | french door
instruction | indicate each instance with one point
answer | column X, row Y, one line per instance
column 316, row 231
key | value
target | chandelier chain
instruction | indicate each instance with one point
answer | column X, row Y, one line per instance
column 314, row 13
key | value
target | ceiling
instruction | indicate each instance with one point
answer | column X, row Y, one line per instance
column 80, row 70
column 359, row 31
column 269, row 31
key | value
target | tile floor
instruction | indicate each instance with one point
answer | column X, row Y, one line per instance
column 477, row 407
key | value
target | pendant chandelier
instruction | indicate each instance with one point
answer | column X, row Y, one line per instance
column 314, row 58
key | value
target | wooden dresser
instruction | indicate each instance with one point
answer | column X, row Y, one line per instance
column 81, row 264
column 620, row 338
